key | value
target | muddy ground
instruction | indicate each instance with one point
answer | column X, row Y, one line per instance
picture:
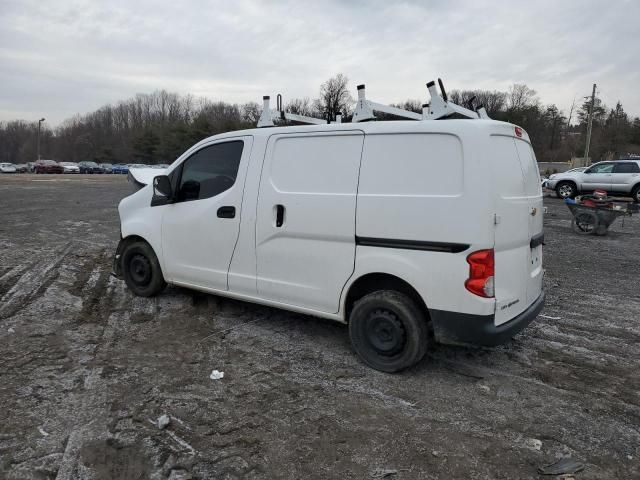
column 86, row 368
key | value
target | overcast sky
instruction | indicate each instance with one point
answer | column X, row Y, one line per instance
column 62, row 57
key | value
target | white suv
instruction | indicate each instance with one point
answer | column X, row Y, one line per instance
column 405, row 230
column 620, row 177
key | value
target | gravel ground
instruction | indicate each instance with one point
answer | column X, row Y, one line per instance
column 87, row 368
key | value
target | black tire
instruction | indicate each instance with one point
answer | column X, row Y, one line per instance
column 566, row 190
column 585, row 223
column 388, row 331
column 635, row 193
column 141, row 270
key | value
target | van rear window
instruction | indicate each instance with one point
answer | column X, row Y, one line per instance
column 529, row 165
column 514, row 167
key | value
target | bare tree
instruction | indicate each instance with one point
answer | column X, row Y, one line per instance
column 520, row 96
column 250, row 112
column 300, row 106
column 334, row 97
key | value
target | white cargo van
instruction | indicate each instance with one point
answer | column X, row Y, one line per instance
column 407, row 231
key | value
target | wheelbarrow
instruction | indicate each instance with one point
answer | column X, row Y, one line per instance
column 596, row 220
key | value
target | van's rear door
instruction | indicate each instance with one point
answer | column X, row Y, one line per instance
column 533, row 192
column 518, row 219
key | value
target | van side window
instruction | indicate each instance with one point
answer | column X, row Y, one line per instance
column 626, row 167
column 210, row 171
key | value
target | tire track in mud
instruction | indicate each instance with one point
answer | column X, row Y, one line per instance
column 32, row 283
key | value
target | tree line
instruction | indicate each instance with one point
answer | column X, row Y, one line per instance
column 158, row 127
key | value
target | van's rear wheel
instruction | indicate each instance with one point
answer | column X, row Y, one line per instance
column 388, row 331
column 141, row 270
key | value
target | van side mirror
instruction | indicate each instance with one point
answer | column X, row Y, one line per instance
column 162, row 192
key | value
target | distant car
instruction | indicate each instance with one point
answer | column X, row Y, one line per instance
column 22, row 167
column 31, row 166
column 120, row 168
column 545, row 180
column 137, row 165
column 160, row 165
column 70, row 167
column 106, row 167
column 89, row 167
column 48, row 166
column 7, row 168
column 619, row 177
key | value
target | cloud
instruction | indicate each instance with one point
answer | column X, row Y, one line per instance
column 72, row 56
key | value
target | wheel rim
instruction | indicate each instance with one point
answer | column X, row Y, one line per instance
column 140, row 270
column 565, row 191
column 385, row 332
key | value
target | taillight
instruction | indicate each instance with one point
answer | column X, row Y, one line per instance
column 481, row 271
column 519, row 131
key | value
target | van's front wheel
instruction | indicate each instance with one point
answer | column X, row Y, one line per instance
column 141, row 270
column 388, row 331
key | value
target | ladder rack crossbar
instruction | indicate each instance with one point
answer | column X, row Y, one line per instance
column 439, row 107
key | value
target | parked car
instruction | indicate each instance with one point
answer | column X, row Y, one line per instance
column 89, row 167
column 446, row 238
column 48, row 166
column 137, row 165
column 554, row 175
column 31, row 166
column 7, row 168
column 21, row 167
column 120, row 168
column 70, row 167
column 106, row 167
column 160, row 165
column 620, row 177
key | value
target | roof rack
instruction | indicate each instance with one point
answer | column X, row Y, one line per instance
column 439, row 107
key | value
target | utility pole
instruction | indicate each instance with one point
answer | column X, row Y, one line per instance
column 589, row 125
column 39, row 122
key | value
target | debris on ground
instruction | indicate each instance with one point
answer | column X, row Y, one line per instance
column 42, row 432
column 484, row 388
column 163, row 421
column 216, row 375
column 533, row 443
column 562, row 466
column 180, row 474
column 384, row 473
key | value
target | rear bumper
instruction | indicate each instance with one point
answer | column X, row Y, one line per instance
column 463, row 328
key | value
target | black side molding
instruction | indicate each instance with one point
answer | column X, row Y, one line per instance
column 537, row 240
column 412, row 244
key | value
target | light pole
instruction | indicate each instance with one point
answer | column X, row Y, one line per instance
column 39, row 123
column 590, row 126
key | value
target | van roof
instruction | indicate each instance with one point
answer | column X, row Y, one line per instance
column 454, row 126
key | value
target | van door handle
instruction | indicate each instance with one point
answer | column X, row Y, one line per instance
column 227, row 212
column 279, row 215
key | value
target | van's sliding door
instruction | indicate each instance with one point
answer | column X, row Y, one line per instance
column 305, row 227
